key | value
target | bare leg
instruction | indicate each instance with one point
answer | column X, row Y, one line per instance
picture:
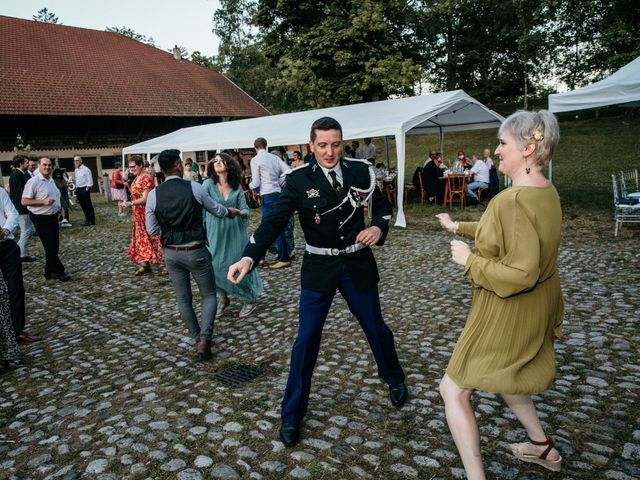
column 463, row 426
column 523, row 408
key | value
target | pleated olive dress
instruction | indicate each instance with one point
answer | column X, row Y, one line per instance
column 517, row 309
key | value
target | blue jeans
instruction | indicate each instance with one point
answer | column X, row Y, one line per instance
column 181, row 265
column 314, row 307
column 281, row 243
column 473, row 186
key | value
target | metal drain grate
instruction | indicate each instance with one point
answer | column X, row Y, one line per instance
column 239, row 375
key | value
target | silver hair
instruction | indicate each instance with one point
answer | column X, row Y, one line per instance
column 538, row 128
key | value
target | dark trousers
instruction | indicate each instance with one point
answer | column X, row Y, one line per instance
column 84, row 199
column 49, row 234
column 281, row 242
column 314, row 307
column 11, row 267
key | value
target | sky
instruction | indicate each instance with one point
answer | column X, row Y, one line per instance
column 186, row 23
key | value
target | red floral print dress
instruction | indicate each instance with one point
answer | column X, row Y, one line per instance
column 144, row 247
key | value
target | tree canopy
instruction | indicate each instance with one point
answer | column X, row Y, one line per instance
column 45, row 16
column 302, row 54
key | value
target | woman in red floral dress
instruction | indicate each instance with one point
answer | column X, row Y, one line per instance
column 145, row 249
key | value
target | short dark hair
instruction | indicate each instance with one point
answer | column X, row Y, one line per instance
column 234, row 172
column 260, row 143
column 325, row 123
column 137, row 159
column 19, row 160
column 168, row 159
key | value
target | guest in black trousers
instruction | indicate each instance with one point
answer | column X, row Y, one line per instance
column 42, row 198
column 84, row 182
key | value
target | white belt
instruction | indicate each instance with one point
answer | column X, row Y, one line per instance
column 334, row 251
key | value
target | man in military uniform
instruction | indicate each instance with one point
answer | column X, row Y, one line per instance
column 330, row 194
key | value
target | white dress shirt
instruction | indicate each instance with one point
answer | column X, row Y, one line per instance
column 337, row 169
column 8, row 213
column 266, row 170
column 480, row 172
column 83, row 177
column 369, row 151
column 39, row 188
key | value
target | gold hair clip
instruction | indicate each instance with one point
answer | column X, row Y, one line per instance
column 537, row 135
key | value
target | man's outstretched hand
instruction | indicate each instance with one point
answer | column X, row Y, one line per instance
column 239, row 270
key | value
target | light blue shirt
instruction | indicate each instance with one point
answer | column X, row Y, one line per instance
column 201, row 196
column 266, row 170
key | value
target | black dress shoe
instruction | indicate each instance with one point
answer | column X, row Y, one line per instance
column 51, row 276
column 64, row 277
column 398, row 394
column 87, row 224
column 290, row 434
column 27, row 259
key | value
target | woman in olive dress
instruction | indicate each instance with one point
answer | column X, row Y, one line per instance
column 506, row 346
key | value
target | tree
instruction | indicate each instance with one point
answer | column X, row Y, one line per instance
column 45, row 16
column 128, row 32
column 203, row 60
column 330, row 53
column 241, row 53
column 595, row 38
column 20, row 146
column 496, row 51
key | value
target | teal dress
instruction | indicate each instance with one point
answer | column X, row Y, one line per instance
column 227, row 238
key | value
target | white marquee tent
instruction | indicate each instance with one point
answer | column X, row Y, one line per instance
column 434, row 113
column 621, row 87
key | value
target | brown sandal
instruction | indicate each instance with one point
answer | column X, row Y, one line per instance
column 143, row 270
column 518, row 450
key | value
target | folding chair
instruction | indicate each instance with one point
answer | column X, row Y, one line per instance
column 627, row 210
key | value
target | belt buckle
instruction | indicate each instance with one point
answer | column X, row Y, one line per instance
column 335, row 252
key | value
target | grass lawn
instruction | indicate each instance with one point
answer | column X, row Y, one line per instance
column 589, row 152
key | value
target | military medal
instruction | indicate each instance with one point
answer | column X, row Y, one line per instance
column 317, row 219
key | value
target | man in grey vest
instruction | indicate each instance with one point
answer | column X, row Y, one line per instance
column 174, row 211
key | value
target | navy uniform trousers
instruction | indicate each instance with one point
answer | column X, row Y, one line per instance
column 314, row 307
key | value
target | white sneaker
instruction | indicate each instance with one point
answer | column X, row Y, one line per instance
column 66, row 224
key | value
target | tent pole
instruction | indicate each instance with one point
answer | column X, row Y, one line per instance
column 400, row 154
column 441, row 135
column 386, row 147
column 551, row 170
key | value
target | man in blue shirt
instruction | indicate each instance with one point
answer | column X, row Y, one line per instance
column 266, row 170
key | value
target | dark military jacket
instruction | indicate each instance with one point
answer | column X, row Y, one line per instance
column 328, row 220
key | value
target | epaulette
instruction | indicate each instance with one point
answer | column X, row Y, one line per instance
column 295, row 169
column 361, row 160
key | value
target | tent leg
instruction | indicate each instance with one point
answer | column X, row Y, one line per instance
column 386, row 147
column 400, row 154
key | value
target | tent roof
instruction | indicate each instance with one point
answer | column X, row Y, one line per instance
column 621, row 87
column 446, row 112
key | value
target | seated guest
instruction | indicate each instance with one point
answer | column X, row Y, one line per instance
column 465, row 163
column 431, row 172
column 480, row 173
column 494, row 182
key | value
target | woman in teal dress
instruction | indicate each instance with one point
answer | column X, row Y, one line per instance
column 228, row 238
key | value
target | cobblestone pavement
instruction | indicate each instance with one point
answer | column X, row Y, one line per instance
column 115, row 392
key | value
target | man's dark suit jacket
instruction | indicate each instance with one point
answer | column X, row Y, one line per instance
column 17, row 181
